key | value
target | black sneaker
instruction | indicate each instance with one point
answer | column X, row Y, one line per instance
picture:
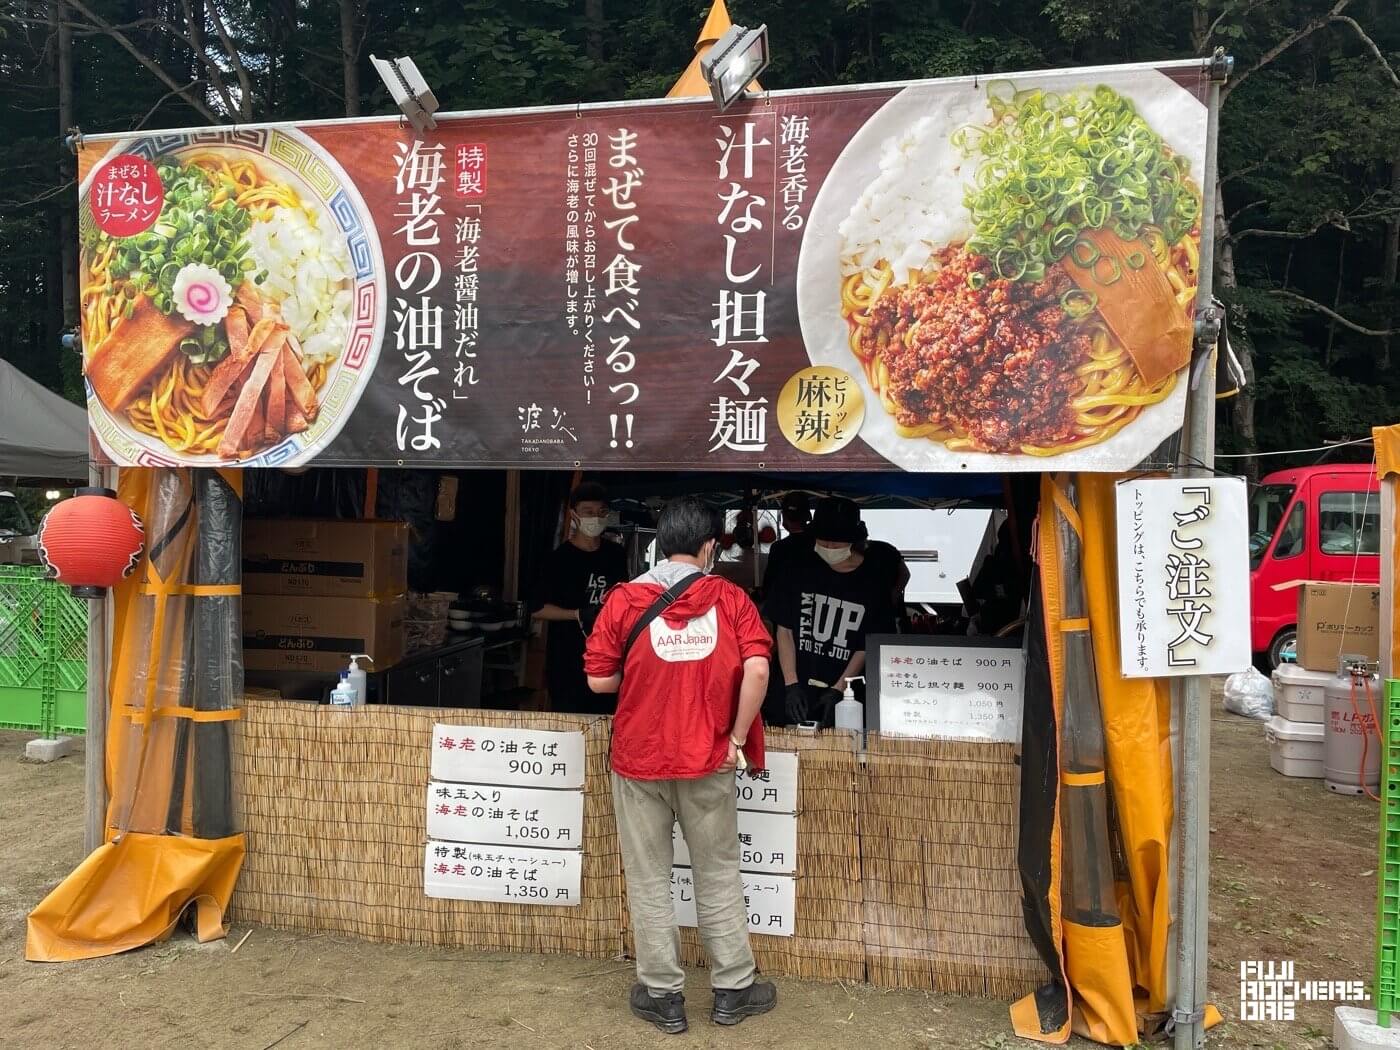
column 667, row 1012
column 732, row 1005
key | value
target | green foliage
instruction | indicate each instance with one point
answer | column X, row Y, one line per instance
column 1307, row 141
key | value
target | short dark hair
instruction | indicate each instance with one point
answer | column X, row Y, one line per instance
column 685, row 526
column 588, row 492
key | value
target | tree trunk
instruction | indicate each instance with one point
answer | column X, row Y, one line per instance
column 70, row 367
column 1336, row 305
column 593, row 18
column 1390, row 260
column 1227, row 282
column 350, row 55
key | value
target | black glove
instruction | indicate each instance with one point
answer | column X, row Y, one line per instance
column 826, row 703
column 795, row 697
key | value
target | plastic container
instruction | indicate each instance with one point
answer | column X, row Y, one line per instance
column 1352, row 752
column 1300, row 694
column 359, row 680
column 343, row 695
column 1295, row 748
column 850, row 712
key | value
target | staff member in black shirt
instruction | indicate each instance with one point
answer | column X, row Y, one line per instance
column 824, row 613
column 576, row 578
column 784, row 553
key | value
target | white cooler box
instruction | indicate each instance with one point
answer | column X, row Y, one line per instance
column 1298, row 693
column 1295, row 748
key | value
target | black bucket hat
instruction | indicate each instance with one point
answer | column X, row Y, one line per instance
column 837, row 519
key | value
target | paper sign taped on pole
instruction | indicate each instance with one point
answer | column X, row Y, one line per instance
column 509, row 816
column 774, row 790
column 524, row 757
column 1183, row 576
column 771, row 901
column 502, row 874
column 767, row 842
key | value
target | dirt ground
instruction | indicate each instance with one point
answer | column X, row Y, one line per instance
column 1293, row 872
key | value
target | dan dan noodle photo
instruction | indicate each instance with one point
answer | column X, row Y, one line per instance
column 1055, row 305
column 215, row 330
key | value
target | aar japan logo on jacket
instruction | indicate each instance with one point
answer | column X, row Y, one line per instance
column 695, row 640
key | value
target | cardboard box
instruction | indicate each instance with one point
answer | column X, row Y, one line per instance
column 347, row 559
column 1336, row 619
column 294, row 633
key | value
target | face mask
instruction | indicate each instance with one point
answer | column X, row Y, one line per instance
column 592, row 527
column 833, row 555
column 711, row 559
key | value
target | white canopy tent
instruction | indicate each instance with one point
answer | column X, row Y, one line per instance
column 42, row 435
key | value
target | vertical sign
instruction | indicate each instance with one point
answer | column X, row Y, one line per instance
column 1183, row 577
column 504, row 816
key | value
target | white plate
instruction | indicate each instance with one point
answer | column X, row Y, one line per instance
column 1171, row 111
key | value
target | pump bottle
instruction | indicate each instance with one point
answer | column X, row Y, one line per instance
column 359, row 680
column 850, row 712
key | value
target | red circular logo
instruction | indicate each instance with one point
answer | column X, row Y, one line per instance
column 126, row 195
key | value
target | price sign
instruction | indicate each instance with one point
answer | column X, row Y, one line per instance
column 970, row 689
column 771, row 901
column 508, row 816
column 527, row 757
column 767, row 842
column 774, row 790
column 505, row 875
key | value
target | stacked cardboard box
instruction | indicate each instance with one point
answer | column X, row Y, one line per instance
column 317, row 591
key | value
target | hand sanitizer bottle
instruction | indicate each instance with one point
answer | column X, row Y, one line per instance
column 850, row 712
column 343, row 695
column 359, row 680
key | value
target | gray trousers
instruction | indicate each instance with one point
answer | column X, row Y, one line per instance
column 707, row 812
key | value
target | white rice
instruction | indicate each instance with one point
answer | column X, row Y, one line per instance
column 308, row 276
column 915, row 205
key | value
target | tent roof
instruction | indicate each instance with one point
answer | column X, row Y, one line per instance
column 895, row 487
column 41, row 434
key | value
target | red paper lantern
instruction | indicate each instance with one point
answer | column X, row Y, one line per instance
column 767, row 534
column 91, row 542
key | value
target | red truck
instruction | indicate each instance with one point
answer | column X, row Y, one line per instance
column 1312, row 523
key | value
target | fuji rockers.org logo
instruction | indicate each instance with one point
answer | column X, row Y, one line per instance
column 1270, row 990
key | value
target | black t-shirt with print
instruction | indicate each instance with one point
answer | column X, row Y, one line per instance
column 829, row 614
column 577, row 579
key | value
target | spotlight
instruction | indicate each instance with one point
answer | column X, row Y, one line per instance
column 734, row 62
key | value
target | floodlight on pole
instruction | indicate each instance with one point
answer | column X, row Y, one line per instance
column 409, row 90
column 734, row 62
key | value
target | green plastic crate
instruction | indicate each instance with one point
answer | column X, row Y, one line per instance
column 1388, row 873
column 43, row 653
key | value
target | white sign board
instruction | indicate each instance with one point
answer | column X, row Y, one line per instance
column 951, row 692
column 767, row 842
column 502, row 874
column 775, row 789
column 771, row 901
column 507, row 816
column 527, row 757
column 1183, row 576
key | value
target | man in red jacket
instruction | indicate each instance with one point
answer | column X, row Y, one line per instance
column 688, row 655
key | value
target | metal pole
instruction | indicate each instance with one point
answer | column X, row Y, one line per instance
column 1193, row 778
column 95, row 735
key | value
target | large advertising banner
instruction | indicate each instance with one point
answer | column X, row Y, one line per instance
column 969, row 274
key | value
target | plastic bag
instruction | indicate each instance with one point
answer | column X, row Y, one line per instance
column 1249, row 694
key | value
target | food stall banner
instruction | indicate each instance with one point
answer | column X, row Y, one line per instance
column 969, row 274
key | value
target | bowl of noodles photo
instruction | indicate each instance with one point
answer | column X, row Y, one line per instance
column 240, row 326
column 1010, row 266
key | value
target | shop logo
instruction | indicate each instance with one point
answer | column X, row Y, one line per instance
column 1270, row 990
column 694, row 641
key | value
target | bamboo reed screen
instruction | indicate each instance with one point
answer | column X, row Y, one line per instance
column 906, row 870
column 334, row 811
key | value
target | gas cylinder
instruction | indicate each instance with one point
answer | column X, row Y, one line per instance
column 1352, row 745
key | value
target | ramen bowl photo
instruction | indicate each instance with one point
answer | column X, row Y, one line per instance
column 241, row 324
